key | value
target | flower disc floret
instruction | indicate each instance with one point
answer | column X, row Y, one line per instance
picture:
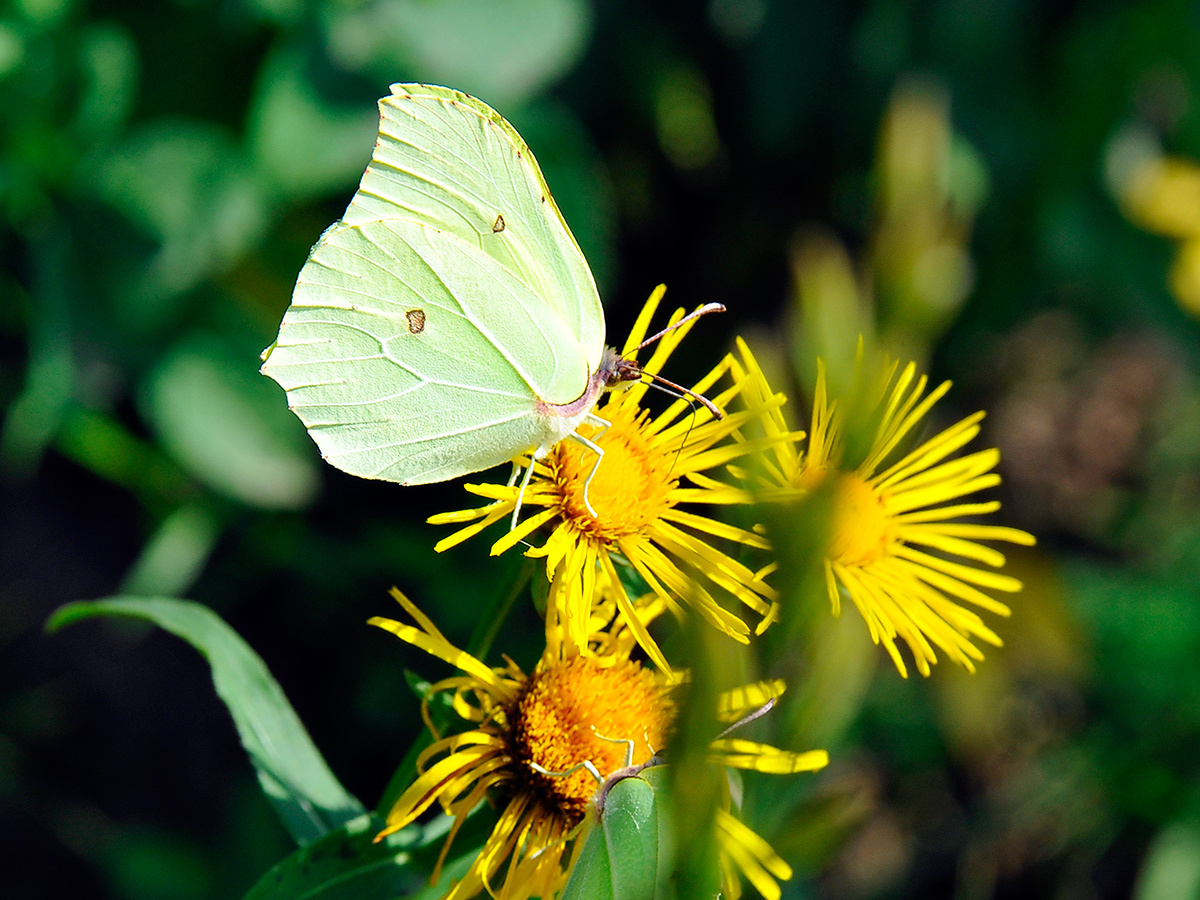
column 580, row 710
column 630, row 490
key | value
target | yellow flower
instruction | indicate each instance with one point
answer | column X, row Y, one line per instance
column 1162, row 194
column 650, row 469
column 899, row 548
column 581, row 704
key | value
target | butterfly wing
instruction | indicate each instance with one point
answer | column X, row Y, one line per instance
column 412, row 356
column 448, row 160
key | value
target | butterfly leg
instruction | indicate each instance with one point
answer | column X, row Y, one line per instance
column 587, row 765
column 602, row 424
column 599, row 451
column 521, row 492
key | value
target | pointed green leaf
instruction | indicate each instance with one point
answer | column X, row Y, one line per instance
column 348, row 864
column 293, row 774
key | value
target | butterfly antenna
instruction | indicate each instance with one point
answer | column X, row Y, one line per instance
column 687, row 434
column 679, row 395
column 680, row 391
column 694, row 314
column 683, row 393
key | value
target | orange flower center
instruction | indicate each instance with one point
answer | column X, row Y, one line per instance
column 579, row 710
column 632, row 484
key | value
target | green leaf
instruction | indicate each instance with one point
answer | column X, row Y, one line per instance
column 187, row 185
column 109, row 57
column 349, row 865
column 293, row 774
column 1172, row 865
column 346, row 863
column 12, row 49
column 174, row 556
column 227, row 425
column 303, row 144
column 506, row 53
column 37, row 413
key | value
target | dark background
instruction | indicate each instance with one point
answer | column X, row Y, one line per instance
column 959, row 179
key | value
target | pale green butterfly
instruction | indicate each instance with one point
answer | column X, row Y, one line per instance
column 448, row 322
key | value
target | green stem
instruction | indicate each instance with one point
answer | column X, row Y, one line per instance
column 489, row 625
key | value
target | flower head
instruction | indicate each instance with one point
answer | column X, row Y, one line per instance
column 535, row 744
column 650, row 469
column 899, row 548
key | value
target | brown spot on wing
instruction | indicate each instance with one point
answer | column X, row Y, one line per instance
column 416, row 320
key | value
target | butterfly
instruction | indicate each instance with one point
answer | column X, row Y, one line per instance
column 448, row 322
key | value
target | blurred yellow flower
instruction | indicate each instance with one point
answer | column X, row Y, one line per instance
column 581, row 704
column 898, row 548
column 1161, row 194
column 1184, row 277
column 651, row 468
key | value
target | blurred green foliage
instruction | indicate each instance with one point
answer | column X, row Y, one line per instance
column 929, row 174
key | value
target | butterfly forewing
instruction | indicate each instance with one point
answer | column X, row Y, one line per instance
column 448, row 160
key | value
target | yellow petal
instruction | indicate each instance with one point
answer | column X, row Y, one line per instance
column 744, row 754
